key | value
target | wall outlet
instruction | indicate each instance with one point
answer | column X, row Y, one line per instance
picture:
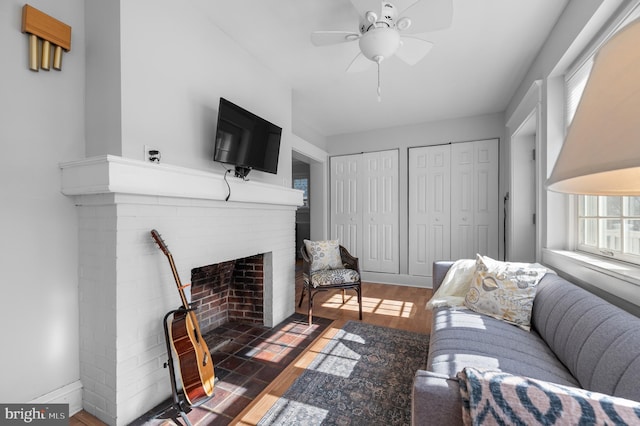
column 152, row 154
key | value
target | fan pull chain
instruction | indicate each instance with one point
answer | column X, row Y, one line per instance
column 378, row 61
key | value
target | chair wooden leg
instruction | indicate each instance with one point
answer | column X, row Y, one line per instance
column 343, row 292
column 359, row 291
column 304, row 288
column 310, row 307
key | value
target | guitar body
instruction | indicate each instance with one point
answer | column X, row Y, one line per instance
column 196, row 367
column 194, row 358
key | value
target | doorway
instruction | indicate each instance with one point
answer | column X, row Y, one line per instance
column 301, row 178
column 522, row 200
column 313, row 161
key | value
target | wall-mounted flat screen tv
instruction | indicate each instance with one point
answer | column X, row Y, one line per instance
column 246, row 140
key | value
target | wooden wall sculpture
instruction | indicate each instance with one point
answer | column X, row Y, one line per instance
column 50, row 33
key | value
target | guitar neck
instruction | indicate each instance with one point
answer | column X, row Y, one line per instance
column 176, row 277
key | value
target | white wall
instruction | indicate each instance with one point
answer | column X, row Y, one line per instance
column 424, row 134
column 175, row 66
column 41, row 124
column 104, row 93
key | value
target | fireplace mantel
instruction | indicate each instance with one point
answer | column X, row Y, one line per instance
column 126, row 285
column 114, row 174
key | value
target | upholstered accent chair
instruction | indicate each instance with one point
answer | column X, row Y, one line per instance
column 326, row 265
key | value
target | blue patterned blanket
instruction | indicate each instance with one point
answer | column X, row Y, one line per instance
column 498, row 398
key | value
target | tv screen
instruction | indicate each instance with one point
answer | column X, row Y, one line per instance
column 245, row 140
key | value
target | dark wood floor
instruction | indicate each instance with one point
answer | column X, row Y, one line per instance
column 392, row 306
column 83, row 418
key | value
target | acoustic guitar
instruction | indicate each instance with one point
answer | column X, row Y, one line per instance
column 196, row 366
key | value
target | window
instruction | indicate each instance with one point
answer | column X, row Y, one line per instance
column 607, row 225
column 610, row 226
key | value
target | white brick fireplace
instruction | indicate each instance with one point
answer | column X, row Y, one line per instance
column 126, row 284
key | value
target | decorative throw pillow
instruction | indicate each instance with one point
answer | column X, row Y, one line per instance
column 496, row 397
column 324, row 254
column 504, row 291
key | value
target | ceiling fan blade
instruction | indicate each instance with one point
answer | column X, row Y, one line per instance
column 324, row 38
column 403, row 5
column 428, row 15
column 360, row 63
column 413, row 49
column 363, row 6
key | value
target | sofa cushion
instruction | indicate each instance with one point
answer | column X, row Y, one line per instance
column 597, row 341
column 334, row 277
column 462, row 338
column 503, row 290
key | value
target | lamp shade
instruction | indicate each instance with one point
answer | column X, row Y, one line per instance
column 601, row 154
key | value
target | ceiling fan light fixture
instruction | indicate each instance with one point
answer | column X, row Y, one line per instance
column 379, row 42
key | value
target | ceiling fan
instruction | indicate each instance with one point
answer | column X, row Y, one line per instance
column 386, row 29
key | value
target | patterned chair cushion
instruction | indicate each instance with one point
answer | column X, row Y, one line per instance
column 334, row 277
column 495, row 397
column 504, row 291
column 323, row 254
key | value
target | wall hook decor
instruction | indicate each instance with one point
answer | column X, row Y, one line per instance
column 53, row 33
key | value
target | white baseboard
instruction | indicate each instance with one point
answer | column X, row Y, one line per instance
column 396, row 279
column 69, row 394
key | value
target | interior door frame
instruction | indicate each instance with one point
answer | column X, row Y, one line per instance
column 318, row 160
column 530, row 108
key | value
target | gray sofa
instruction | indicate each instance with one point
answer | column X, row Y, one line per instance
column 576, row 339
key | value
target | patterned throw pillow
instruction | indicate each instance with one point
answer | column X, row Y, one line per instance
column 496, row 397
column 504, row 291
column 324, row 254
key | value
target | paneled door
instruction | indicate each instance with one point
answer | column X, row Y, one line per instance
column 429, row 207
column 346, row 202
column 364, row 208
column 453, row 203
column 474, row 199
column 380, row 212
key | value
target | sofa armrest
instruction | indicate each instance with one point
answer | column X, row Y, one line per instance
column 435, row 400
column 440, row 269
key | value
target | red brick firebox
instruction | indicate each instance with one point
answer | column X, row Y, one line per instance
column 228, row 292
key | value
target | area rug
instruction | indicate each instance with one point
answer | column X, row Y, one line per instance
column 363, row 376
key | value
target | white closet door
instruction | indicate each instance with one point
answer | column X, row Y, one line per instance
column 346, row 199
column 429, row 207
column 474, row 199
column 380, row 212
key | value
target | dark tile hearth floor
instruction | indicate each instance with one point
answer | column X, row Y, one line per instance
column 247, row 358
